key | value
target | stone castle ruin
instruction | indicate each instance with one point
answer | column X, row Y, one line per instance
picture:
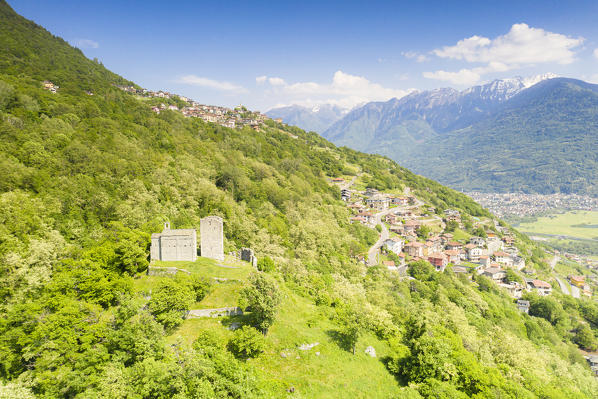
column 174, row 245
column 247, row 255
column 212, row 238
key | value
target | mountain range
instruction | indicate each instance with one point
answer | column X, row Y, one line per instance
column 531, row 135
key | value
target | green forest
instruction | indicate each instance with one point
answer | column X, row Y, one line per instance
column 89, row 172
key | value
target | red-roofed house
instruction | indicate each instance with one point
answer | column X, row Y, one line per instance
column 454, row 245
column 439, row 261
column 453, row 256
column 414, row 249
column 411, row 226
column 503, row 258
column 541, row 287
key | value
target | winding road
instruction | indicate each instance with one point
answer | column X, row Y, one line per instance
column 384, row 233
column 566, row 287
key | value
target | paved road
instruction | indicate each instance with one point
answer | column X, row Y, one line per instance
column 564, row 287
column 384, row 234
column 348, row 184
column 575, row 292
column 554, row 261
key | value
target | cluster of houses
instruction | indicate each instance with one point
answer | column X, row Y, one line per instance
column 51, row 87
column 490, row 256
column 580, row 282
column 232, row 118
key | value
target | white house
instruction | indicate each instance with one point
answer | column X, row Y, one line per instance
column 394, row 244
column 541, row 287
column 378, row 201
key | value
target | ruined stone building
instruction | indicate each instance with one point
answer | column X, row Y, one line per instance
column 174, row 245
column 212, row 237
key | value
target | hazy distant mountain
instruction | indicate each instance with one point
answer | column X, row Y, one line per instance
column 537, row 134
column 422, row 115
column 316, row 119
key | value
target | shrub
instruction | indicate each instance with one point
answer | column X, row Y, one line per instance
column 170, row 303
column 247, row 342
column 265, row 264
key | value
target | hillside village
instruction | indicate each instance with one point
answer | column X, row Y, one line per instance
column 238, row 117
column 410, row 230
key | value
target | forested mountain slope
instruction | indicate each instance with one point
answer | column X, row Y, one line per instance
column 85, row 180
column 542, row 141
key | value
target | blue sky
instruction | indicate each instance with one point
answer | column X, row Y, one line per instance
column 264, row 54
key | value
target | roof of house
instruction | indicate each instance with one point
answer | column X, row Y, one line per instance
column 459, row 269
column 500, row 253
column 493, row 270
column 454, row 244
column 470, row 246
column 414, row 244
column 452, row 252
column 540, row 284
column 388, row 262
column 378, row 197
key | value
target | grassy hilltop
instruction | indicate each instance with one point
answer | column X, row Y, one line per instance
column 87, row 178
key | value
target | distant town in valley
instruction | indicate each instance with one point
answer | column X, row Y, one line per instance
column 519, row 204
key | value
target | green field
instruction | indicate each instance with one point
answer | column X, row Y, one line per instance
column 576, row 224
column 320, row 372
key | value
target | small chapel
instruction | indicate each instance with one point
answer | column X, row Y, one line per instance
column 174, row 245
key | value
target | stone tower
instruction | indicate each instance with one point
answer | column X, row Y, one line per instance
column 211, row 235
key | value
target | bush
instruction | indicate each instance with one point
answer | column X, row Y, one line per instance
column 265, row 264
column 170, row 303
column 200, row 286
column 263, row 298
column 247, row 342
column 584, row 338
column 421, row 270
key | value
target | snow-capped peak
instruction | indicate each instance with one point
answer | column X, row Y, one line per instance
column 532, row 80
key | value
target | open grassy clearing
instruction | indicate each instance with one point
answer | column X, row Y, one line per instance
column 324, row 375
column 579, row 224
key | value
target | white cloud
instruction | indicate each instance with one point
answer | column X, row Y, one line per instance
column 414, row 55
column 464, row 77
column 260, row 79
column 86, row 43
column 345, row 90
column 596, row 53
column 522, row 46
column 276, row 81
column 211, row 84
